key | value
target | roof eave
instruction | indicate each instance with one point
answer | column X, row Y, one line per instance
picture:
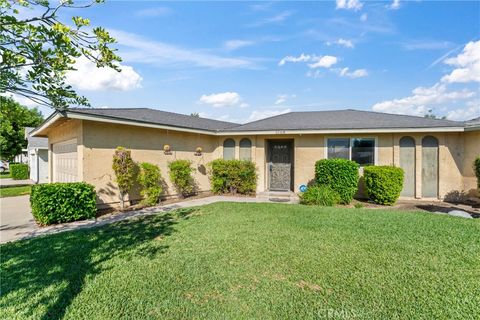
column 342, row 131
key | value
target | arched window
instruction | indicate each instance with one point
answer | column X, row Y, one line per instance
column 245, row 149
column 229, row 149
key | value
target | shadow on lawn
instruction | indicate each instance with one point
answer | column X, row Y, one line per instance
column 30, row 269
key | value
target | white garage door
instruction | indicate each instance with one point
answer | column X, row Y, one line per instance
column 65, row 161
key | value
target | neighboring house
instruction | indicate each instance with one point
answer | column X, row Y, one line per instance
column 37, row 152
column 435, row 154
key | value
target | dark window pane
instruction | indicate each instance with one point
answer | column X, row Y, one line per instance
column 245, row 149
column 229, row 149
column 363, row 151
column 339, row 148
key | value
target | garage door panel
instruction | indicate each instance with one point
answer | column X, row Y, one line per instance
column 65, row 161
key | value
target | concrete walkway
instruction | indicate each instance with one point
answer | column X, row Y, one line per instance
column 9, row 182
column 16, row 221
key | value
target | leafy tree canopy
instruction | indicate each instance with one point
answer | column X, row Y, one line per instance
column 14, row 118
column 37, row 51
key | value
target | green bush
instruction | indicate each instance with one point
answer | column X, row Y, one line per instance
column 62, row 202
column 383, row 184
column 180, row 172
column 150, row 181
column 320, row 196
column 19, row 171
column 340, row 175
column 232, row 176
column 476, row 168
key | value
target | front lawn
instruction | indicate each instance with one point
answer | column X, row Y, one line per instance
column 265, row 261
column 15, row 191
column 4, row 175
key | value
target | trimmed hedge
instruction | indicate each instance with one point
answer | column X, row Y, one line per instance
column 340, row 175
column 320, row 196
column 19, row 171
column 383, row 184
column 232, row 176
column 476, row 168
column 63, row 202
column 180, row 172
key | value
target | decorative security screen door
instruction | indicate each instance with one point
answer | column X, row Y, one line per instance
column 280, row 165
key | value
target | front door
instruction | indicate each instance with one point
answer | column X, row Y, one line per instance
column 280, row 165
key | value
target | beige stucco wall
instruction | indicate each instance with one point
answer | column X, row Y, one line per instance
column 311, row 147
column 97, row 142
column 146, row 144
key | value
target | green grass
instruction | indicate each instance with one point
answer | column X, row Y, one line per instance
column 14, row 191
column 246, row 261
column 5, row 175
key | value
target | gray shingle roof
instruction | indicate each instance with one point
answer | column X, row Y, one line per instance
column 342, row 119
column 473, row 122
column 35, row 142
column 157, row 117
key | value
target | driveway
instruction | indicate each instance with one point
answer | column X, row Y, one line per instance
column 16, row 220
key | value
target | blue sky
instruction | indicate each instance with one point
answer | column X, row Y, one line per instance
column 240, row 61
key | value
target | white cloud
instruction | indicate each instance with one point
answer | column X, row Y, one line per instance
column 324, row 62
column 89, row 77
column 153, row 12
column 467, row 63
column 364, row 17
column 262, row 114
column 349, row 4
column 394, row 5
column 281, row 98
column 359, row 73
column 341, row 42
column 224, row 99
column 317, row 61
column 472, row 110
column 422, row 99
column 237, row 44
column 141, row 50
column 425, row 45
column 300, row 58
column 438, row 96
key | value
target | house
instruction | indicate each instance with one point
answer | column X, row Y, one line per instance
column 37, row 153
column 436, row 155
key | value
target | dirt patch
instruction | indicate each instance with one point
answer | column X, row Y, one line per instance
column 307, row 285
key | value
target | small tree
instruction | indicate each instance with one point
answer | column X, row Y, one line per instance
column 14, row 118
column 180, row 172
column 124, row 168
column 149, row 179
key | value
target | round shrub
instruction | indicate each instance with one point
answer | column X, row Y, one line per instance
column 320, row 196
column 383, row 184
column 19, row 171
column 63, row 202
column 150, row 181
column 180, row 172
column 232, row 176
column 340, row 175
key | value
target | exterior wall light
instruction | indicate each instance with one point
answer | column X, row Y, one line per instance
column 167, row 149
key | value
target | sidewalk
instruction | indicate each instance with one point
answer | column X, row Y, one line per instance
column 9, row 182
column 17, row 221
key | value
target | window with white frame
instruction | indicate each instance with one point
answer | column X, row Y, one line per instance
column 360, row 150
